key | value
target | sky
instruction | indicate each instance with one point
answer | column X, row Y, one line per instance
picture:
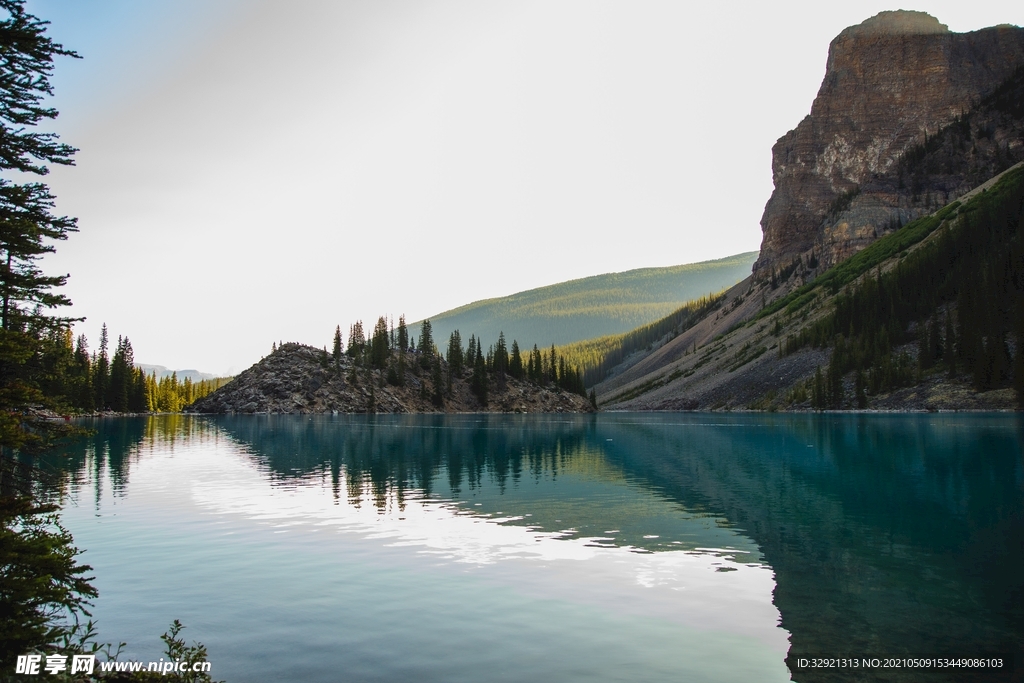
column 253, row 171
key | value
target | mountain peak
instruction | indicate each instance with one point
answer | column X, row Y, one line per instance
column 898, row 22
column 842, row 176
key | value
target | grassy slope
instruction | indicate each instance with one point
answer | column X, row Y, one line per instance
column 590, row 307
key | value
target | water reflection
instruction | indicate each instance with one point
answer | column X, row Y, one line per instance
column 530, row 508
column 888, row 535
column 502, row 466
column 895, row 534
column 113, row 446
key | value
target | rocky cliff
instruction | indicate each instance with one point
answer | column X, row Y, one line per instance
column 891, row 84
column 746, row 354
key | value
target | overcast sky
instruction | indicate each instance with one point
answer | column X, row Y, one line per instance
column 259, row 171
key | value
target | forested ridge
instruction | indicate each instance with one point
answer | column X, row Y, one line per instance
column 960, row 296
column 596, row 358
column 392, row 350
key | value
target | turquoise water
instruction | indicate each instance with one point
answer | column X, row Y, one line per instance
column 668, row 547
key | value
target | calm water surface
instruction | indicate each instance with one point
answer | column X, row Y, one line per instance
column 670, row 547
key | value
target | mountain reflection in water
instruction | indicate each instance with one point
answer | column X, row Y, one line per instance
column 888, row 534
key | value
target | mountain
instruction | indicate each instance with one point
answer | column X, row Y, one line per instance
column 891, row 274
column 589, row 307
column 162, row 372
column 849, row 172
column 929, row 317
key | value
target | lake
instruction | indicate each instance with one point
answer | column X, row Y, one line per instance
column 611, row 547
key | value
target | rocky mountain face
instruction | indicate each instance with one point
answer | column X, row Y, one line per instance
column 302, row 379
column 843, row 176
column 744, row 355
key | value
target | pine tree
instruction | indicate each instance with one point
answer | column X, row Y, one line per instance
column 379, row 345
column 400, row 373
column 426, row 344
column 356, row 340
column 28, row 229
column 120, row 376
column 538, row 367
column 26, row 63
column 500, row 361
column 479, row 381
column 101, row 371
column 438, row 382
column 137, row 400
column 515, row 364
column 82, row 396
column 403, row 334
column 454, row 356
column 338, row 346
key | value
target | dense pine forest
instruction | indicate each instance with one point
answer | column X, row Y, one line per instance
column 74, row 380
column 959, row 296
column 392, row 349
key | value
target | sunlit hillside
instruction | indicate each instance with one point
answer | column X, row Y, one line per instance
column 590, row 307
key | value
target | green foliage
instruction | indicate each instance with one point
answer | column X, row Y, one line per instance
column 975, row 264
column 28, row 229
column 70, row 380
column 169, row 395
column 337, row 345
column 26, row 224
column 356, row 340
column 43, row 589
column 863, row 261
column 437, row 397
column 500, row 360
column 426, row 343
column 380, row 344
column 972, row 148
column 403, row 334
column 842, row 202
column 479, row 382
column 596, row 357
column 455, row 355
column 515, row 363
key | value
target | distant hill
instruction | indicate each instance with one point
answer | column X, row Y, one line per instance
column 590, row 307
column 162, row 371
